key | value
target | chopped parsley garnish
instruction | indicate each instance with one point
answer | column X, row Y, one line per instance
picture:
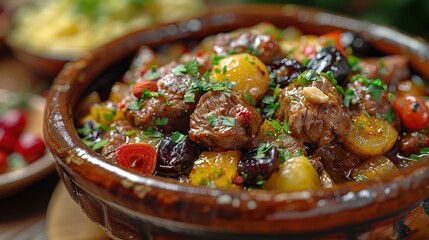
column 253, row 51
column 246, row 58
column 189, row 97
column 249, row 99
column 285, row 126
column 262, row 149
column 415, row 157
column 216, row 59
column 217, row 70
column 270, row 106
column 150, row 131
column 374, row 87
column 424, row 150
column 390, row 115
column 307, row 76
column 228, row 121
column 276, row 125
column 100, row 144
column 135, row 106
column 224, row 69
column 179, row 70
column 178, row 137
column 161, row 121
column 190, row 67
column 349, row 97
column 354, row 63
column 153, row 73
column 213, row 120
column 360, row 178
column 131, row 133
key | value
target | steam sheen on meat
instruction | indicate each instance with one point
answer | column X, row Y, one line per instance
column 314, row 123
column 223, row 121
column 169, row 105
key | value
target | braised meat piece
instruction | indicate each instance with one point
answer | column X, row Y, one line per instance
column 314, row 110
column 369, row 97
column 390, row 69
column 412, row 142
column 166, row 111
column 223, row 121
column 337, row 161
column 261, row 45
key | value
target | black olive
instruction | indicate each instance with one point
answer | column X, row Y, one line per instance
column 331, row 60
column 359, row 46
column 256, row 167
column 175, row 158
column 285, row 70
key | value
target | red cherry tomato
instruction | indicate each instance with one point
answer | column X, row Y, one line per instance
column 14, row 121
column 3, row 162
column 7, row 141
column 30, row 146
column 413, row 112
column 141, row 157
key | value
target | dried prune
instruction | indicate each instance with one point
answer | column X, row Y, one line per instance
column 258, row 164
column 176, row 155
column 285, row 70
column 330, row 60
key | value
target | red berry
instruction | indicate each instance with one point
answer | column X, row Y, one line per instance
column 140, row 157
column 14, row 121
column 3, row 162
column 31, row 147
column 7, row 141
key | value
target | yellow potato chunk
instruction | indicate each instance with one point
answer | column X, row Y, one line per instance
column 373, row 167
column 105, row 113
column 215, row 169
column 296, row 174
column 247, row 72
column 370, row 136
column 118, row 92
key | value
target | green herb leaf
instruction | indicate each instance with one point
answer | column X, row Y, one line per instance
column 192, row 68
column 360, row 178
column 262, row 149
column 213, row 120
column 153, row 73
column 100, row 144
column 179, row 70
column 178, row 137
column 415, row 157
column 228, row 121
column 161, row 121
column 390, row 115
column 135, row 106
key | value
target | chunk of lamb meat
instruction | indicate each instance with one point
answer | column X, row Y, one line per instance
column 412, row 142
column 261, row 45
column 170, row 105
column 223, row 121
column 315, row 112
column 337, row 161
column 390, row 69
column 364, row 102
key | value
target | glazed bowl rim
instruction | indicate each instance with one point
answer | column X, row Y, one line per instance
column 70, row 152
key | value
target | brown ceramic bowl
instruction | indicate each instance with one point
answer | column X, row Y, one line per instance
column 129, row 206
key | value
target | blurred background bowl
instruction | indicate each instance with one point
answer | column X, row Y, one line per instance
column 129, row 206
column 13, row 181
